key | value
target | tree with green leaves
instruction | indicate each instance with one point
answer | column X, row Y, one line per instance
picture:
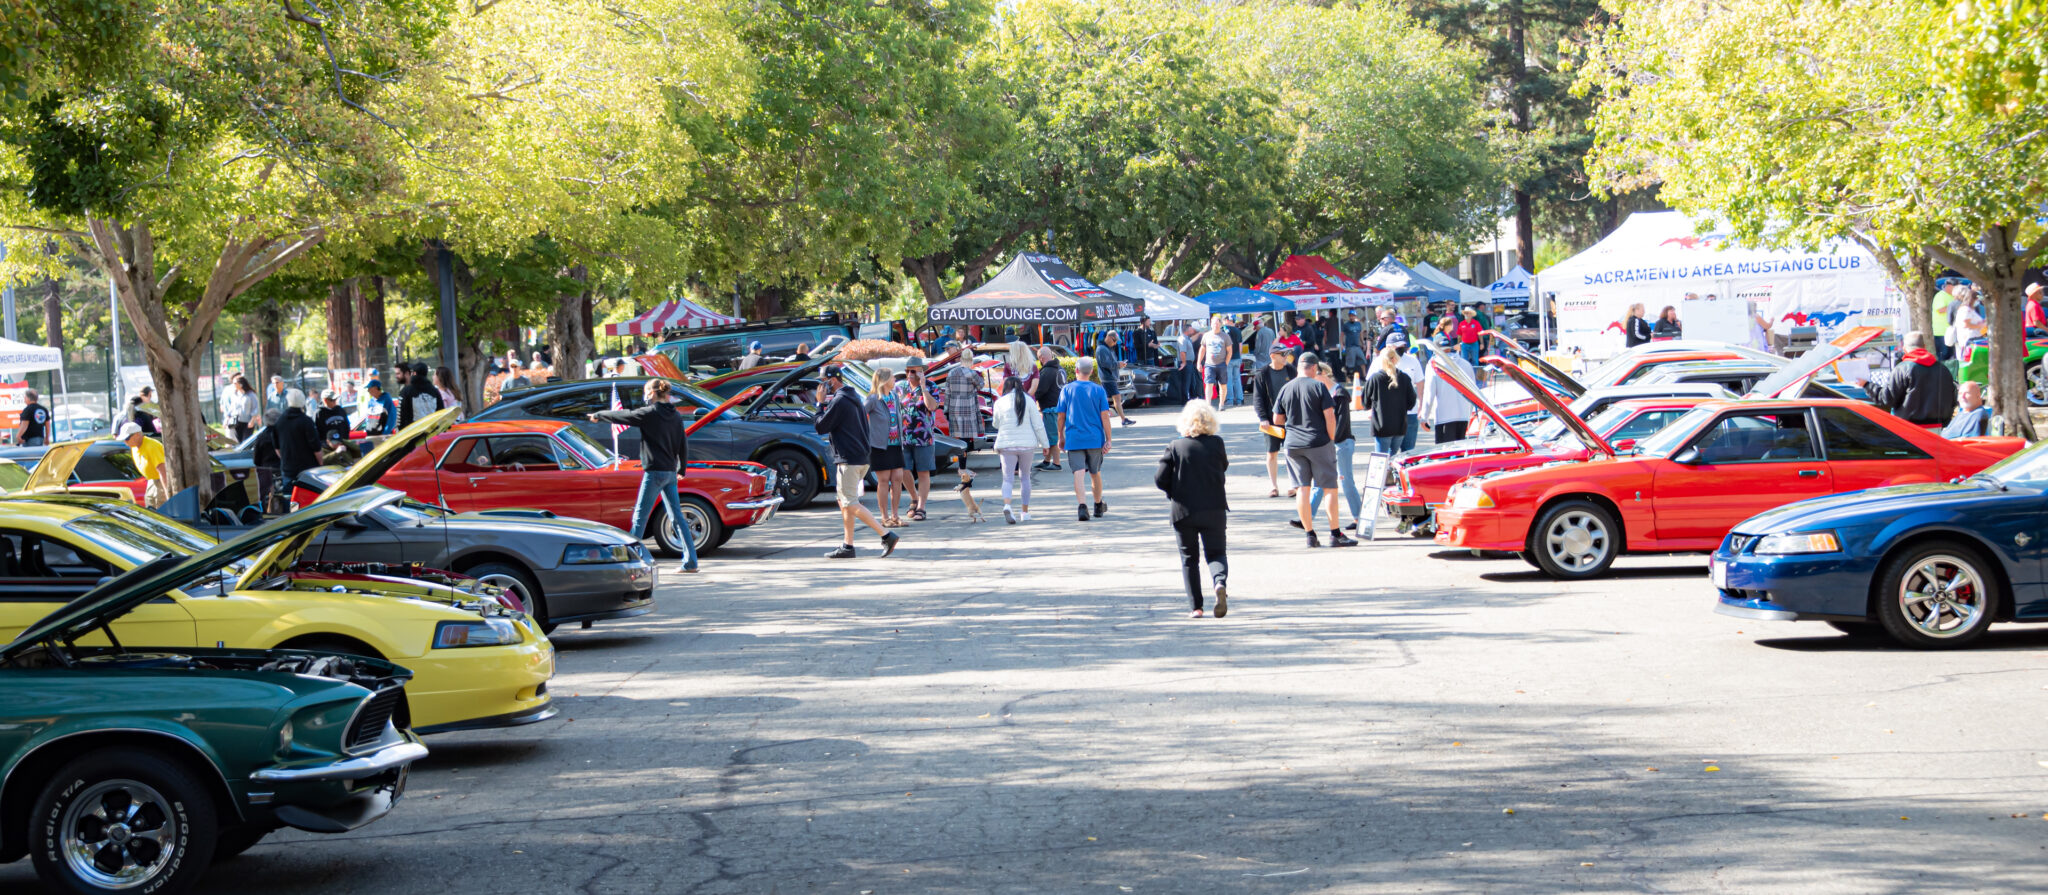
column 1798, row 122
column 190, row 150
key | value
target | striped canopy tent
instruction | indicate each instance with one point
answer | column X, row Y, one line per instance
column 680, row 313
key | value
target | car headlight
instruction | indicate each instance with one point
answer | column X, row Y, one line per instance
column 1799, row 542
column 1471, row 497
column 482, row 632
column 595, row 553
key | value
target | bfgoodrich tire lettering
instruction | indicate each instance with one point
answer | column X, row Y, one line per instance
column 123, row 820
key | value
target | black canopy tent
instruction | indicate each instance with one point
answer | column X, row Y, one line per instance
column 1039, row 289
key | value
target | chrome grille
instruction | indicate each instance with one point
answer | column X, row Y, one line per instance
column 366, row 729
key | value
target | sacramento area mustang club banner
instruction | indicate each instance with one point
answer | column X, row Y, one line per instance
column 1038, row 289
column 1739, row 295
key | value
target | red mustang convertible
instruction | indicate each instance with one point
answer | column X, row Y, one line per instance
column 551, row 465
column 1687, row 485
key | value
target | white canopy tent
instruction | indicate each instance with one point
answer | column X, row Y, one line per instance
column 20, row 358
column 1659, row 258
column 1467, row 293
column 1161, row 303
column 1512, row 285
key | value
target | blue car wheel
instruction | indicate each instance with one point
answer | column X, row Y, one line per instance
column 1937, row 595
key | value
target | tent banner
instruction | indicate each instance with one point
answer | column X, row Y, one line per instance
column 1100, row 312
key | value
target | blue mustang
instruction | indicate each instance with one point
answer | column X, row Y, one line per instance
column 1930, row 565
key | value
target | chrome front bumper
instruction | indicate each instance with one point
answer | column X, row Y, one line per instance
column 396, row 755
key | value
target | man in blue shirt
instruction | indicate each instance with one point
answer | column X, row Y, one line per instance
column 1972, row 416
column 1084, row 428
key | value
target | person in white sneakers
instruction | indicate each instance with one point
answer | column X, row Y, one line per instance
column 1020, row 435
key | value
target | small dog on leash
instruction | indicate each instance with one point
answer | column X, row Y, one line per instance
column 966, row 491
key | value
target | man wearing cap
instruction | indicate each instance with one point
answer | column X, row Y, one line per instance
column 1266, row 386
column 664, row 452
column 843, row 420
column 378, row 410
column 294, row 442
column 2035, row 321
column 753, row 357
column 332, row 420
column 148, row 456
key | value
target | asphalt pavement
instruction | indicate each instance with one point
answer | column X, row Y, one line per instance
column 1028, row 709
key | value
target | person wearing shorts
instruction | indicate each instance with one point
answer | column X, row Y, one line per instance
column 1216, row 361
column 842, row 419
column 919, row 401
column 1307, row 410
column 1267, row 382
column 885, row 447
column 1084, row 421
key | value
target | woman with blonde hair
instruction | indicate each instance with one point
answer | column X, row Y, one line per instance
column 1390, row 394
column 1191, row 472
column 1634, row 329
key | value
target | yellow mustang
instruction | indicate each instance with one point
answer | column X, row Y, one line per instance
column 474, row 663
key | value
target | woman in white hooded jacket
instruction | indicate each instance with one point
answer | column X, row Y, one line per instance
column 1020, row 435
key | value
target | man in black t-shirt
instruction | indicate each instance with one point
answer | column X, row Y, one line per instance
column 1309, row 414
column 35, row 422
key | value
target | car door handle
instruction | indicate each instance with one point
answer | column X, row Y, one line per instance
column 477, row 478
column 1804, row 474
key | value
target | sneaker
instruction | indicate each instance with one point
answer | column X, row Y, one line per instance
column 1055, row 467
column 888, row 544
column 1009, row 515
column 1130, row 422
column 1312, row 542
column 1222, row 601
column 1041, row 465
column 845, row 551
column 1100, row 508
column 1084, row 512
column 1024, row 516
column 1295, row 523
column 1337, row 539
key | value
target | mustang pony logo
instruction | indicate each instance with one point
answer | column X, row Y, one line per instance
column 1830, row 318
column 1694, row 242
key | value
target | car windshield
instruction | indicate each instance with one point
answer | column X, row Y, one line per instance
column 137, row 538
column 1667, row 440
column 590, row 452
column 2028, row 467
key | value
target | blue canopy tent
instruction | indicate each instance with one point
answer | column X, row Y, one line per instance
column 1406, row 284
column 1239, row 300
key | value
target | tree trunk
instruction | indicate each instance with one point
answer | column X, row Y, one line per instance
column 53, row 315
column 2000, row 270
column 269, row 346
column 470, row 356
column 1179, row 257
column 373, row 342
column 127, row 255
column 341, row 326
column 1914, row 274
column 569, row 336
column 926, row 271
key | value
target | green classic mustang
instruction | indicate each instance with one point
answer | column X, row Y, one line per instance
column 130, row 770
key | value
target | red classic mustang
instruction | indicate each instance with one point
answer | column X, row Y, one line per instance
column 551, row 465
column 1422, row 480
column 1687, row 485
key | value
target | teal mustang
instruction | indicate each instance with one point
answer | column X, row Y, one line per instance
column 125, row 769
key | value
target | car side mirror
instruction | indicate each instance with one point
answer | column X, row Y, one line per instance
column 349, row 523
column 1689, row 456
column 1626, row 444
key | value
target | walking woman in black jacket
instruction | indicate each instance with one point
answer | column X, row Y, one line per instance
column 1191, row 474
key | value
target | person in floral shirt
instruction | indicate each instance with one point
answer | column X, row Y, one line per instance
column 919, row 400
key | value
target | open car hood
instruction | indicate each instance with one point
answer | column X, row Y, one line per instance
column 825, row 352
column 658, row 364
column 1470, row 390
column 1791, row 380
column 1549, row 402
column 146, row 582
column 54, row 470
column 379, row 461
column 1550, row 371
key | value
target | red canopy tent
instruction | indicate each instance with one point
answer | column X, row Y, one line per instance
column 1314, row 284
column 678, row 313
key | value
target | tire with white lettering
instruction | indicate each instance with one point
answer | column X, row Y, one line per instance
column 124, row 819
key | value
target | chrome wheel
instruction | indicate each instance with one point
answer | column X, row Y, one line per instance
column 1577, row 541
column 1942, row 597
column 2037, row 385
column 700, row 525
column 515, row 595
column 119, row 834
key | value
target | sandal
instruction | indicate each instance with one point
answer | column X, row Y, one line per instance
column 1273, row 493
column 917, row 515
